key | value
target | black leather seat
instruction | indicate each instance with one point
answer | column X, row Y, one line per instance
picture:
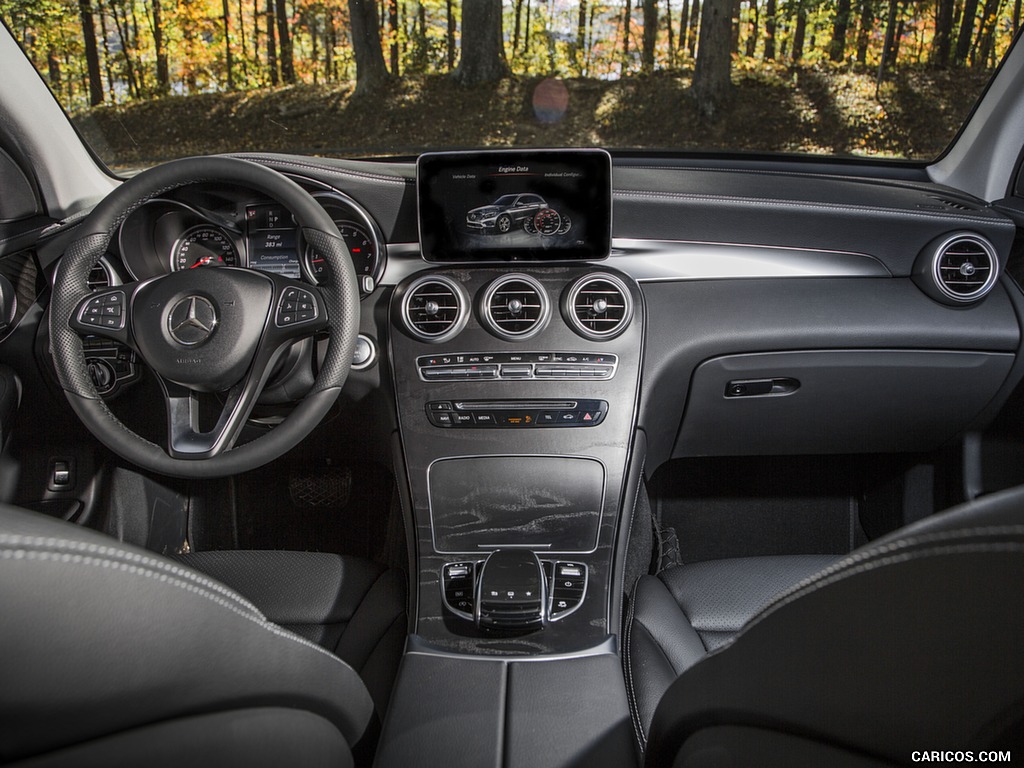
column 912, row 642
column 114, row 655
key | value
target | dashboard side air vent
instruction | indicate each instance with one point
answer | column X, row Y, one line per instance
column 598, row 306
column 435, row 308
column 100, row 276
column 515, row 307
column 959, row 268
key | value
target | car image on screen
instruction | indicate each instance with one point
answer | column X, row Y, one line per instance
column 505, row 213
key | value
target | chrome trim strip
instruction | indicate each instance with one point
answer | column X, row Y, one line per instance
column 650, row 261
column 416, row 645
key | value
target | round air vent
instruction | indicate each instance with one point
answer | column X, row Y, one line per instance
column 963, row 267
column 435, row 308
column 598, row 306
column 515, row 307
column 100, row 276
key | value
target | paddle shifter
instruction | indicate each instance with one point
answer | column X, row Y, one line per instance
column 511, row 592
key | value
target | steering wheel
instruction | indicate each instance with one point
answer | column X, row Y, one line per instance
column 205, row 330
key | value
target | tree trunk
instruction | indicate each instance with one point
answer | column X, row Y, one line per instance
column 370, row 70
column 107, row 57
column 684, row 26
column 737, row 11
column 285, row 38
column 516, row 28
column 694, row 26
column 163, row 74
column 626, row 18
column 329, row 43
column 837, row 48
column 581, row 36
column 271, row 44
column 1016, row 15
column 755, row 23
column 890, row 35
column 123, row 35
column 984, row 44
column 769, row 30
column 650, row 34
column 483, row 55
column 800, row 33
column 526, row 37
column 712, row 72
column 942, row 41
column 450, row 39
column 92, row 56
column 867, row 26
column 393, row 32
column 53, row 69
column 227, row 46
column 671, row 34
column 963, row 41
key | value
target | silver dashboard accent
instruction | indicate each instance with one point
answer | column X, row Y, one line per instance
column 649, row 261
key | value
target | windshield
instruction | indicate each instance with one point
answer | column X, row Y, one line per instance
column 149, row 80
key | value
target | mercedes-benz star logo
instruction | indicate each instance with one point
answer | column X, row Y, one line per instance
column 192, row 321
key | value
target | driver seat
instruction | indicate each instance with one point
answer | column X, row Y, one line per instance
column 114, row 655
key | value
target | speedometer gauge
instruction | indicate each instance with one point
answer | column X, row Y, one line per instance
column 204, row 246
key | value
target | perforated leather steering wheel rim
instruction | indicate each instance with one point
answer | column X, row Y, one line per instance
column 340, row 296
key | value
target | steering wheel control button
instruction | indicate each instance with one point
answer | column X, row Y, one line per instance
column 192, row 321
column 516, row 414
column 565, row 366
column 104, row 311
column 297, row 306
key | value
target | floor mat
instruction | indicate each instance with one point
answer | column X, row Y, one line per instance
column 745, row 507
column 322, row 506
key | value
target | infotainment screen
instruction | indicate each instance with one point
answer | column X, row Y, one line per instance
column 515, row 204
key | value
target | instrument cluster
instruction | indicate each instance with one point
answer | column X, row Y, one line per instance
column 207, row 226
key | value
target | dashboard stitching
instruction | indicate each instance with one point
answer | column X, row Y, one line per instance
column 684, row 196
column 328, row 169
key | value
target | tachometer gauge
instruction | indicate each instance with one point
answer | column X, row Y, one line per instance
column 547, row 221
column 361, row 246
column 204, row 245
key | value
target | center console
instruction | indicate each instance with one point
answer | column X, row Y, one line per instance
column 516, row 389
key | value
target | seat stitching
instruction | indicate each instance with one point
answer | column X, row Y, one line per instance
column 108, row 551
column 871, row 553
column 825, row 578
column 163, row 578
column 634, row 710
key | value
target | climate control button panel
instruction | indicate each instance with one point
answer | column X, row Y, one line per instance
column 516, row 414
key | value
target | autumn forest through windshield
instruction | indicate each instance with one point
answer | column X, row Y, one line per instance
column 146, row 80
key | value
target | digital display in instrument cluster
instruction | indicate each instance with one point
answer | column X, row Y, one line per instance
column 273, row 240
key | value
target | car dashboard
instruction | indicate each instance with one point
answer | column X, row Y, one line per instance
column 755, row 311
